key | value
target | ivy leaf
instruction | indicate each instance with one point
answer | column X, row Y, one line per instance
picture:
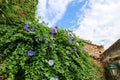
column 68, row 48
column 67, row 52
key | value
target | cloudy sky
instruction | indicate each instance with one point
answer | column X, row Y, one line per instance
column 95, row 20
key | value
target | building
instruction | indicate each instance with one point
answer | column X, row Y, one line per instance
column 111, row 60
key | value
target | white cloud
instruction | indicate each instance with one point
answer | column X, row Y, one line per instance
column 52, row 10
column 101, row 22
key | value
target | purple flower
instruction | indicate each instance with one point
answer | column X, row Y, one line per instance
column 53, row 78
column 51, row 62
column 30, row 53
column 43, row 22
column 83, row 49
column 70, row 34
column 56, row 27
column 70, row 41
column 53, row 31
column 51, row 43
column 26, row 27
column 33, row 27
column 74, row 49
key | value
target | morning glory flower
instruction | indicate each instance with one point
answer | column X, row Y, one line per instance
column 53, row 31
column 70, row 41
column 51, row 43
column 30, row 53
column 43, row 22
column 33, row 27
column 75, row 49
column 26, row 27
column 53, row 78
column 70, row 34
column 83, row 49
column 51, row 62
column 56, row 27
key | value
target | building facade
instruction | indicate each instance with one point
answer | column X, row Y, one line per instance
column 111, row 60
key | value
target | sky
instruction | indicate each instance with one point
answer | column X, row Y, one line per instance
column 94, row 20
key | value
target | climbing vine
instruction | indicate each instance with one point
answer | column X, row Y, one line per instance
column 30, row 50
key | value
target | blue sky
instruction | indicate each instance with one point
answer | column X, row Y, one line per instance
column 70, row 18
column 95, row 20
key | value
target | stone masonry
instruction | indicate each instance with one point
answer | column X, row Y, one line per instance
column 95, row 51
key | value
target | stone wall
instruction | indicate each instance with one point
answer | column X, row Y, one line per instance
column 95, row 51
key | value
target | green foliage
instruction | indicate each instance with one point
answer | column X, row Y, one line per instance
column 17, row 11
column 16, row 64
column 70, row 62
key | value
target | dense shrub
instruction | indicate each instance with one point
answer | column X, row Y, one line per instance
column 33, row 51
column 40, row 53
